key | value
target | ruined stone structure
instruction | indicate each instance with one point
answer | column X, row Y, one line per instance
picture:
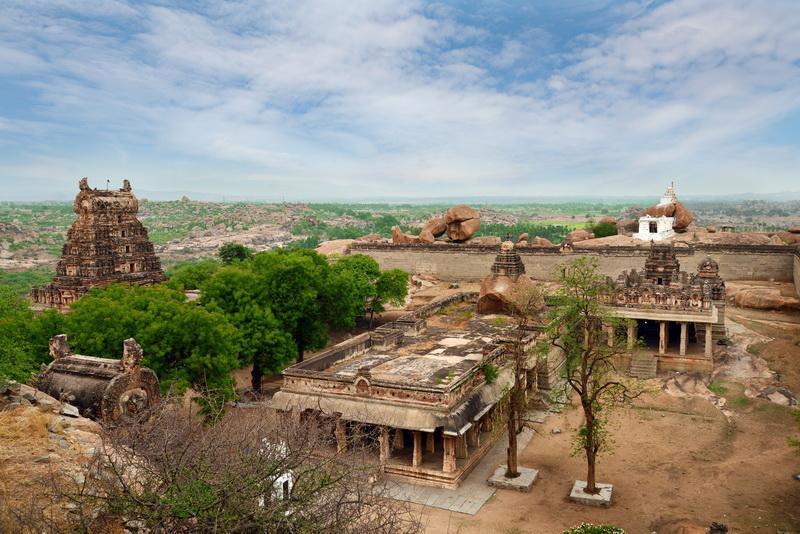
column 662, row 295
column 101, row 388
column 419, row 385
column 105, row 244
column 506, row 280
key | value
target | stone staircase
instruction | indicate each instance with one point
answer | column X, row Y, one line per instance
column 643, row 366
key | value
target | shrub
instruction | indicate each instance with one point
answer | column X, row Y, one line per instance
column 588, row 528
column 490, row 372
column 604, row 229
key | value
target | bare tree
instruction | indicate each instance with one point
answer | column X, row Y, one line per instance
column 589, row 335
column 251, row 471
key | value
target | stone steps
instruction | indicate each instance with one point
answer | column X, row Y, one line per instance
column 643, row 366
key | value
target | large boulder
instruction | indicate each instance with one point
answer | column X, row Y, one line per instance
column 607, row 220
column 489, row 240
column 765, row 299
column 497, row 293
column 523, row 238
column 541, row 242
column 581, row 234
column 462, row 222
column 627, row 226
column 436, row 227
column 683, row 217
column 401, row 238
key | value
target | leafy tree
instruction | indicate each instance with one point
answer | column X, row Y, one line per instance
column 191, row 275
column 579, row 324
column 604, row 229
column 373, row 288
column 527, row 307
column 185, row 344
column 236, row 292
column 231, row 252
column 294, row 283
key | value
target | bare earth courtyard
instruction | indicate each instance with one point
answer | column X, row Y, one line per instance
column 680, row 460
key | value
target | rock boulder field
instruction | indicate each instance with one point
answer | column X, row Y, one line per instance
column 765, row 299
column 400, row 237
column 581, row 234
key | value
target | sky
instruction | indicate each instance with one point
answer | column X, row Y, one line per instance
column 327, row 100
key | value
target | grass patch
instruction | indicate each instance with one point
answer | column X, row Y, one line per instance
column 718, row 388
column 755, row 349
column 500, row 321
column 740, row 402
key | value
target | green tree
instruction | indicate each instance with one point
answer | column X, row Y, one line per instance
column 185, row 344
column 294, row 283
column 604, row 229
column 231, row 252
column 236, row 292
column 580, row 325
column 373, row 288
column 191, row 275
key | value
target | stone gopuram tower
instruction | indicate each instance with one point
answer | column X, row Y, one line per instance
column 105, row 244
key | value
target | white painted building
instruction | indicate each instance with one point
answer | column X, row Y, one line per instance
column 658, row 228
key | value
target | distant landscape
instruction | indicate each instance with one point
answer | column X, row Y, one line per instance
column 32, row 234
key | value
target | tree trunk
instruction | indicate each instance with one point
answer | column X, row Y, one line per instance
column 255, row 377
column 591, row 454
column 511, row 460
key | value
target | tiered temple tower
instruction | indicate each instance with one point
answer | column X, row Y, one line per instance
column 105, row 244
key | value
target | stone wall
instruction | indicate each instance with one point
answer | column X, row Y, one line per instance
column 797, row 271
column 468, row 262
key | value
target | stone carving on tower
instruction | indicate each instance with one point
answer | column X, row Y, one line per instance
column 105, row 244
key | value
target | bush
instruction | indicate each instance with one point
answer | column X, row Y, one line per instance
column 604, row 229
column 490, row 373
column 588, row 528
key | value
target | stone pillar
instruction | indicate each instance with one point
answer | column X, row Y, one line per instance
column 385, row 446
column 461, row 447
column 632, row 334
column 474, row 436
column 416, row 458
column 684, row 334
column 709, row 341
column 430, row 442
column 341, row 435
column 449, row 457
column 610, row 335
column 662, row 337
column 399, row 442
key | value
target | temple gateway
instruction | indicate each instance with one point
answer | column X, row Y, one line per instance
column 105, row 244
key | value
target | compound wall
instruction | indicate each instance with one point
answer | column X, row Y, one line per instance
column 451, row 261
column 797, row 272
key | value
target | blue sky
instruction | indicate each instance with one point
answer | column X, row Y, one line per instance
column 377, row 98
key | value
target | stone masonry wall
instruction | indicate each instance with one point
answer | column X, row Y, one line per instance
column 797, row 271
column 473, row 262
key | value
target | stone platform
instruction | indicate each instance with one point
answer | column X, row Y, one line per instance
column 603, row 498
column 524, row 482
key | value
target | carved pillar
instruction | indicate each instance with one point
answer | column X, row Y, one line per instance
column 662, row 337
column 430, row 442
column 474, row 436
column 683, row 338
column 632, row 334
column 709, row 342
column 461, row 447
column 341, row 435
column 399, row 442
column 385, row 446
column 449, row 457
column 416, row 459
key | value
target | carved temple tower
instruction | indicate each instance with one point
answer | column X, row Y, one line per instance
column 105, row 244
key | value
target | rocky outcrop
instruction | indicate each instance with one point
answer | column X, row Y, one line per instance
column 462, row 222
column 402, row 238
column 683, row 217
column 523, row 238
column 541, row 242
column 436, row 227
column 627, row 226
column 607, row 220
column 765, row 299
column 581, row 234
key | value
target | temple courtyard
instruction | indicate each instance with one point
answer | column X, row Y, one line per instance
column 684, row 455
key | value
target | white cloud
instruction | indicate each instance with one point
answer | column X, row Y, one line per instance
column 387, row 98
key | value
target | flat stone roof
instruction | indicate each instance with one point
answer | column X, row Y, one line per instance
column 452, row 344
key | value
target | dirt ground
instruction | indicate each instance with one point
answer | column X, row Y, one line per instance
column 677, row 463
